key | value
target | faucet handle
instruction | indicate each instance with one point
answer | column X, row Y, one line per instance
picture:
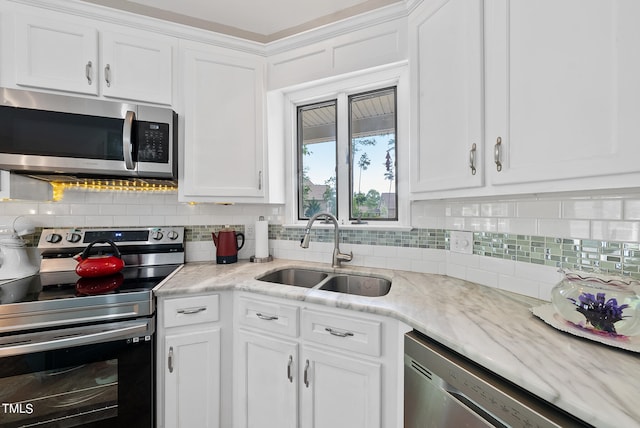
column 345, row 257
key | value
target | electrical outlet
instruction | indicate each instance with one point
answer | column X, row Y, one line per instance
column 250, row 231
column 461, row 242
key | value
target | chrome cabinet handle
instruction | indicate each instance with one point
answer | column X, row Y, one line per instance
column 497, row 154
column 88, row 71
column 289, row 365
column 191, row 311
column 127, row 143
column 339, row 333
column 306, row 374
column 472, row 159
column 107, row 75
column 266, row 317
column 259, row 180
column 170, row 360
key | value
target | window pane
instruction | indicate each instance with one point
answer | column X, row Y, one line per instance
column 317, row 159
column 372, row 128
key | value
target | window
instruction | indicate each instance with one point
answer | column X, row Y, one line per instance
column 366, row 189
column 317, row 172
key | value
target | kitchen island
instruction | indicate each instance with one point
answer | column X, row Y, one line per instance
column 494, row 328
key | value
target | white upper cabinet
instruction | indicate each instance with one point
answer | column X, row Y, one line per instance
column 558, row 109
column 55, row 55
column 137, row 68
column 562, row 89
column 224, row 102
column 73, row 56
column 445, row 39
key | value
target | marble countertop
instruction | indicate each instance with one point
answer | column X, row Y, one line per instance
column 598, row 384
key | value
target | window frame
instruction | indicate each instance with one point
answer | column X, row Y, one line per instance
column 289, row 99
column 300, row 155
column 351, row 161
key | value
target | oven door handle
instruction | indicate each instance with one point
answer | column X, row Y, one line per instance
column 30, row 343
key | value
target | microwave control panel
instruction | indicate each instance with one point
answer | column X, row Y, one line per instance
column 153, row 142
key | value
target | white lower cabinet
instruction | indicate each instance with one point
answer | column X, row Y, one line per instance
column 340, row 391
column 303, row 365
column 192, row 379
column 192, row 369
column 266, row 381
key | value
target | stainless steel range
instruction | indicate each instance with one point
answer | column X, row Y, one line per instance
column 80, row 351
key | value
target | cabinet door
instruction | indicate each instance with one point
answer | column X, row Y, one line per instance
column 223, row 120
column 56, row 55
column 338, row 391
column 137, row 68
column 192, row 379
column 446, row 48
column 266, row 379
column 562, row 88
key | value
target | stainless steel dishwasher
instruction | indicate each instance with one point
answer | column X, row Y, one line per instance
column 445, row 390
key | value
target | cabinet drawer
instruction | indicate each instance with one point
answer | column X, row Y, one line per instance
column 268, row 316
column 348, row 333
column 191, row 310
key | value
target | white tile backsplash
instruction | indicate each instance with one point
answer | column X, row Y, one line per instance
column 627, row 231
column 592, row 209
column 632, row 209
column 564, row 228
column 538, row 209
column 604, row 216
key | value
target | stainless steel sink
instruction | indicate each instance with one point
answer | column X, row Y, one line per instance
column 298, row 277
column 357, row 284
column 361, row 285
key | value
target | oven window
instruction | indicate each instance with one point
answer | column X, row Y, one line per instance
column 106, row 384
column 76, row 395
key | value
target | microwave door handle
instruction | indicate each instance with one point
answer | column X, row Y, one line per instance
column 127, row 144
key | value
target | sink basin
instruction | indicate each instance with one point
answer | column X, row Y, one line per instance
column 361, row 285
column 357, row 284
column 298, row 277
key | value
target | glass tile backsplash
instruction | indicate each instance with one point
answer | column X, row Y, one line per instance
column 618, row 258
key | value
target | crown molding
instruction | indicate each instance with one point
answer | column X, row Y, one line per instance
column 114, row 16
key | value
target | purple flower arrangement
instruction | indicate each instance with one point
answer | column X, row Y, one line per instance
column 601, row 314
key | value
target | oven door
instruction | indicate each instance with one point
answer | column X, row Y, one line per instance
column 89, row 376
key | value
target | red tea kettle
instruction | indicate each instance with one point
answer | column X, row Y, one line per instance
column 100, row 265
column 227, row 245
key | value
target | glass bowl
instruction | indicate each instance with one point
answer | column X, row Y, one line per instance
column 600, row 303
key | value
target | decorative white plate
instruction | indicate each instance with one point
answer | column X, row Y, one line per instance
column 548, row 314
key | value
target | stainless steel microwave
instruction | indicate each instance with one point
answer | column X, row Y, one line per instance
column 54, row 134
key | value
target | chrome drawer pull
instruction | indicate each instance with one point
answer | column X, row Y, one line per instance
column 266, row 317
column 339, row 333
column 289, row 365
column 107, row 75
column 88, row 71
column 306, row 374
column 191, row 311
column 472, row 159
column 497, row 154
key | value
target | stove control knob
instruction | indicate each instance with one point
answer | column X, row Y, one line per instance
column 173, row 235
column 73, row 237
column 53, row 238
column 157, row 235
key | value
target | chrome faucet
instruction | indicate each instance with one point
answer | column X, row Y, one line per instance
column 338, row 257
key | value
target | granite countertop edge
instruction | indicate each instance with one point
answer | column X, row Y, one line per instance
column 494, row 328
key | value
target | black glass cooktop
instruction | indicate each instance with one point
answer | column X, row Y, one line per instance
column 64, row 285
